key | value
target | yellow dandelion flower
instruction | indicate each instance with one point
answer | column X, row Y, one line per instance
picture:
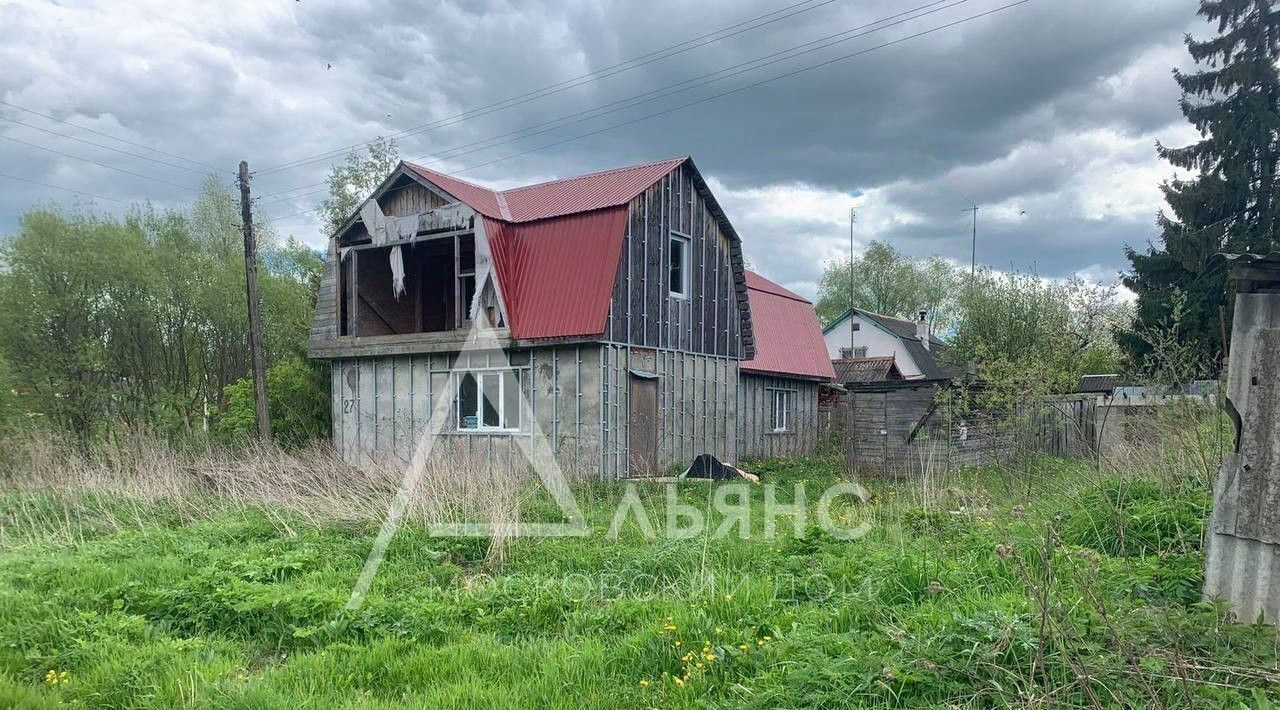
column 698, row 666
column 644, row 684
column 718, row 631
column 760, row 643
column 679, row 681
column 743, row 646
column 676, row 644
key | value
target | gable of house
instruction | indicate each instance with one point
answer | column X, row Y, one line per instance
column 554, row 251
column 885, row 336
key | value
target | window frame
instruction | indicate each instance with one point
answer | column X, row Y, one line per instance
column 864, row 350
column 685, row 242
column 479, row 374
column 785, row 397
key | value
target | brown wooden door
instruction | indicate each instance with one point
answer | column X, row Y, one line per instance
column 644, row 426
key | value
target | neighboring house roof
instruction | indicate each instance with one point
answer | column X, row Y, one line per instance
column 866, row 369
column 1100, row 383
column 788, row 335
column 556, row 245
column 900, row 327
column 905, row 330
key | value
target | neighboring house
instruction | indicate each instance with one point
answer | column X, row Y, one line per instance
column 778, row 388
column 860, row 334
column 609, row 312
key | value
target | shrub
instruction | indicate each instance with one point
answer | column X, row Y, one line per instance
column 297, row 399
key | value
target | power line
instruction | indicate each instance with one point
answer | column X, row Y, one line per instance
column 58, row 187
column 612, row 70
column 745, row 87
column 99, row 145
column 114, row 138
column 104, row 165
column 672, row 89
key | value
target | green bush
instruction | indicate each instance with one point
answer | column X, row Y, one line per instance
column 297, row 399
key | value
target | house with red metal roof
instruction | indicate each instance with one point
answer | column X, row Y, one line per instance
column 608, row 314
column 778, row 388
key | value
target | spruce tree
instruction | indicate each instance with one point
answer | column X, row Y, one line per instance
column 1229, row 204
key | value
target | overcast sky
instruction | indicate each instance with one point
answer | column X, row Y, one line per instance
column 1046, row 114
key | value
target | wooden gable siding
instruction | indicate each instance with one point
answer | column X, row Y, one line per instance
column 324, row 323
column 409, row 199
column 642, row 311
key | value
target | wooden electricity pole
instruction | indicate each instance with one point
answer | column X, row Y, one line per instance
column 255, row 318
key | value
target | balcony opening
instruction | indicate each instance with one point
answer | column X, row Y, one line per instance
column 439, row 287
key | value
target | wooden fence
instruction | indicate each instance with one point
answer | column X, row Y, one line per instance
column 905, row 429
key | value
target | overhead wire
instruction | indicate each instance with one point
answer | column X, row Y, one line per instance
column 59, row 187
column 105, row 147
column 581, row 80
column 95, row 162
column 668, row 90
column 114, row 138
column 722, row 94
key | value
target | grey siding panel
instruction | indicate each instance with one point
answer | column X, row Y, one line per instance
column 698, row 410
column 383, row 404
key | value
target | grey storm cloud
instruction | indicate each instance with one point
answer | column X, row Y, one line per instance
column 1047, row 112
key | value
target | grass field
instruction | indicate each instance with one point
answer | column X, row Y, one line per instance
column 1046, row 585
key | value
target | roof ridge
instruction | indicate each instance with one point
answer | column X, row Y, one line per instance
column 781, row 291
column 452, row 177
column 596, row 173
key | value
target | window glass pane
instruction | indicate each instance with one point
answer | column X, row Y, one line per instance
column 677, row 258
column 489, row 384
column 780, row 412
column 467, row 395
column 859, row 352
column 510, row 400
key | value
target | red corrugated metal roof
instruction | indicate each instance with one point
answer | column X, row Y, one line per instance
column 557, row 274
column 556, row 244
column 594, row 191
column 788, row 335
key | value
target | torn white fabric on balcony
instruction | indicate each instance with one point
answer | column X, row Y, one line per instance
column 397, row 272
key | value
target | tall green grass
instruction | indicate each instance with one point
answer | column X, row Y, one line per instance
column 1053, row 583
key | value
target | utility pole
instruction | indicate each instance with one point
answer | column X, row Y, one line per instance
column 973, row 254
column 853, row 215
column 255, row 318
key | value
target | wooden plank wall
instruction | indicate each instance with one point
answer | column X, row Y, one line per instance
column 324, row 323
column 697, row 406
column 408, row 198
column 756, row 438
column 642, row 312
column 382, row 404
column 879, row 427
